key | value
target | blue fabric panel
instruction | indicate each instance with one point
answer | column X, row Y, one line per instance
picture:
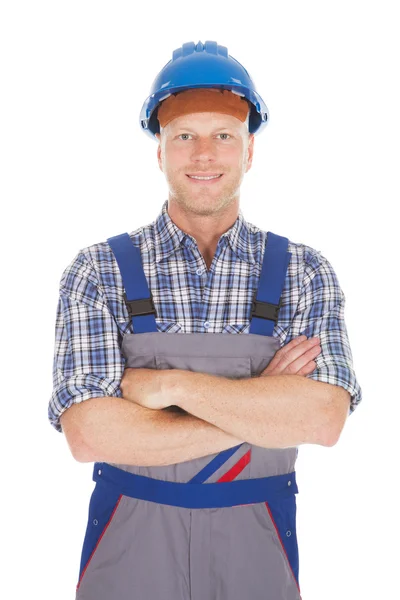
column 130, row 265
column 102, row 503
column 194, row 495
column 272, row 278
column 284, row 514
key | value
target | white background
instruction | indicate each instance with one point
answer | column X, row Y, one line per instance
column 76, row 168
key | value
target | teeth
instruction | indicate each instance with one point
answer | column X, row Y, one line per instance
column 194, row 177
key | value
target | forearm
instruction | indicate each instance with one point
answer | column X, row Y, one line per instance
column 118, row 431
column 272, row 412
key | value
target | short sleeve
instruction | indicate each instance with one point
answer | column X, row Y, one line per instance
column 320, row 313
column 88, row 361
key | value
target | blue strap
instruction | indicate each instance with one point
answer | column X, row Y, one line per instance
column 195, row 495
column 130, row 265
column 272, row 279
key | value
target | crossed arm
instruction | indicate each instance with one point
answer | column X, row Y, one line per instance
column 274, row 411
column 279, row 409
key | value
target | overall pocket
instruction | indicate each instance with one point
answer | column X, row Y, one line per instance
column 232, row 367
column 103, row 506
column 281, row 516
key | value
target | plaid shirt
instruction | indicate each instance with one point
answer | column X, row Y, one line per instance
column 92, row 317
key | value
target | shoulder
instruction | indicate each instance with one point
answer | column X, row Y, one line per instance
column 99, row 254
column 309, row 269
column 303, row 256
column 97, row 260
column 306, row 259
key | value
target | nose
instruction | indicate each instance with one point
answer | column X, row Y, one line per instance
column 203, row 149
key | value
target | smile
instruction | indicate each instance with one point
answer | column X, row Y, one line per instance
column 206, row 180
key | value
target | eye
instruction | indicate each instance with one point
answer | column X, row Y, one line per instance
column 191, row 134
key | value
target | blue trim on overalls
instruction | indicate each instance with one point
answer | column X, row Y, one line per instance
column 272, row 278
column 196, row 495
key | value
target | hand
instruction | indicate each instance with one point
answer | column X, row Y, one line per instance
column 295, row 358
column 145, row 387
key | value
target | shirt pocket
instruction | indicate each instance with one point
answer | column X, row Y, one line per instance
column 168, row 326
column 236, row 327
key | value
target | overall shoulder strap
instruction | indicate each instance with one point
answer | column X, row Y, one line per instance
column 265, row 308
column 137, row 295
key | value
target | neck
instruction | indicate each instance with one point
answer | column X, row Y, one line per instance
column 206, row 227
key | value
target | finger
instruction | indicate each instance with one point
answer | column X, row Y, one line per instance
column 296, row 365
column 292, row 344
column 308, row 368
column 297, row 340
column 289, row 355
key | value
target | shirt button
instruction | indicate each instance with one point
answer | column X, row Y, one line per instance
column 288, row 533
column 206, row 324
column 289, row 483
column 199, row 271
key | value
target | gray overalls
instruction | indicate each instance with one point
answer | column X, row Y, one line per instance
column 220, row 527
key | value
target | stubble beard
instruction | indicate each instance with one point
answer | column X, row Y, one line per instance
column 204, row 201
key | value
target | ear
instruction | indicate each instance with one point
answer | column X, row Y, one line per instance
column 159, row 151
column 250, row 151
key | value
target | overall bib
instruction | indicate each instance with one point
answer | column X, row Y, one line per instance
column 220, row 527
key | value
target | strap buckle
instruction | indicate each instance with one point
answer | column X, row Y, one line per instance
column 140, row 307
column 266, row 310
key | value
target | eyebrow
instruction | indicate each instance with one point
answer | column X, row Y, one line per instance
column 214, row 130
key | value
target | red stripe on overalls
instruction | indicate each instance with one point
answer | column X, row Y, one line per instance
column 236, row 469
column 98, row 541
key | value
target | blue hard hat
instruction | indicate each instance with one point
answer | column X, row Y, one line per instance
column 202, row 66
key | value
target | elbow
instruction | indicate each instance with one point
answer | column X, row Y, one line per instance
column 330, row 439
column 327, row 435
column 335, row 415
column 80, row 451
column 82, row 454
column 72, row 425
column 333, row 433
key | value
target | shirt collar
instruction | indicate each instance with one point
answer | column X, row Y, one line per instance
column 169, row 238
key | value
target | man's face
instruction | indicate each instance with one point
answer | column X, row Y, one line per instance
column 205, row 143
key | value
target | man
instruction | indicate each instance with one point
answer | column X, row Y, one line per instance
column 193, row 356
